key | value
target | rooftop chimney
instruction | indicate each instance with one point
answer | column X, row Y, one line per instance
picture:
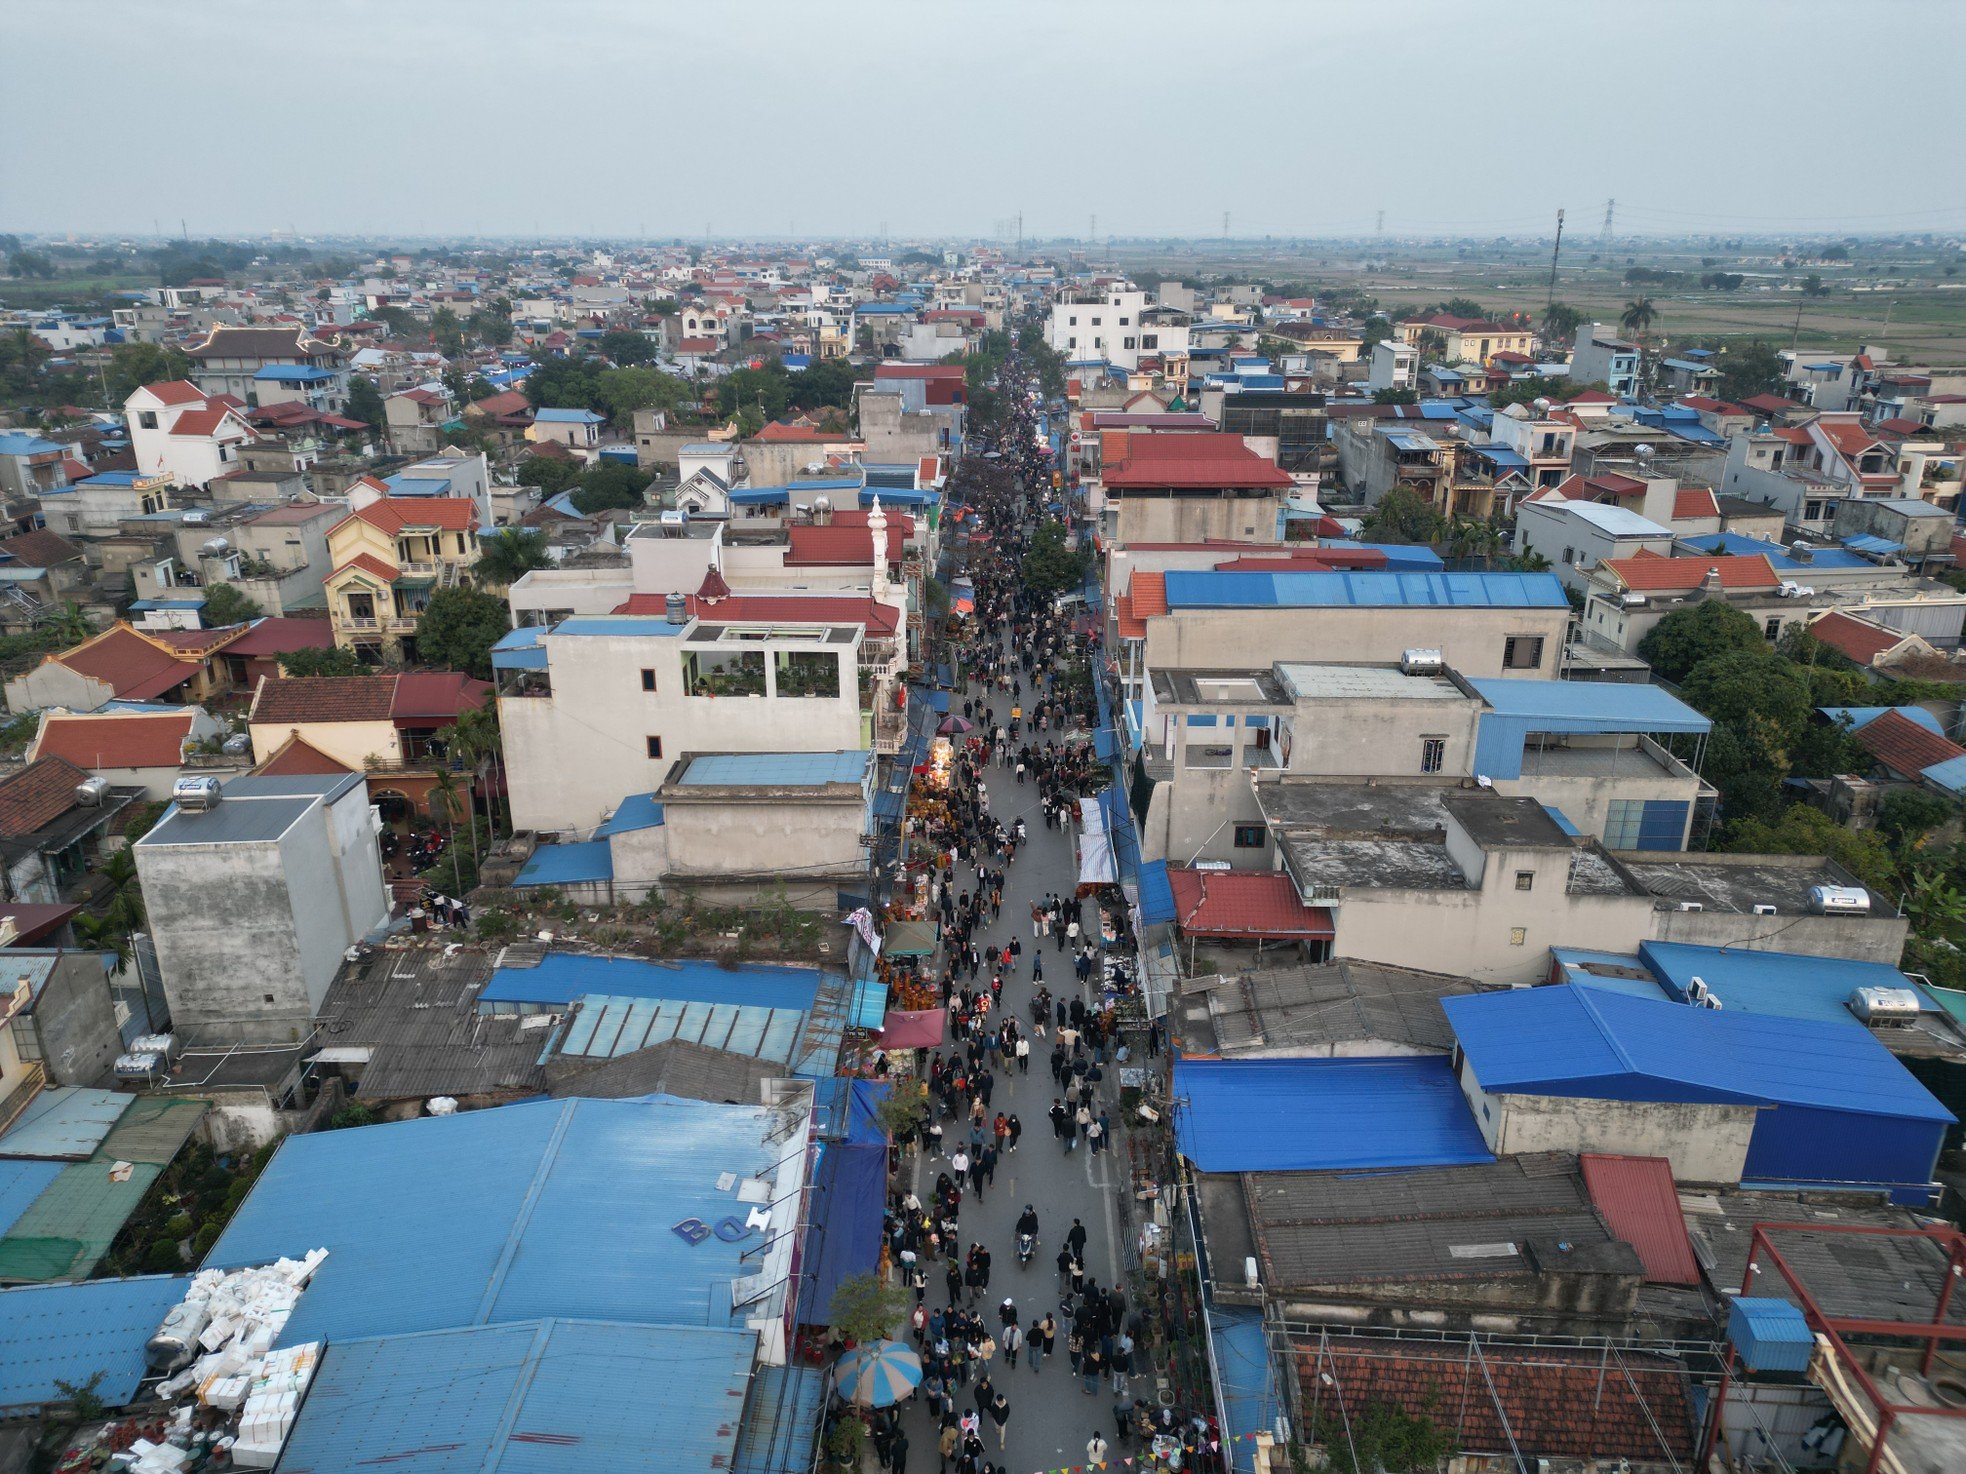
column 1711, row 582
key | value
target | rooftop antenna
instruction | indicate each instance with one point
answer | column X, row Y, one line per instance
column 1550, row 300
column 1610, row 213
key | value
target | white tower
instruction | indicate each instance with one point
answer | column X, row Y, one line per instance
column 877, row 525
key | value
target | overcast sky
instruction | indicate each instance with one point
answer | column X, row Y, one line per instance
column 1302, row 117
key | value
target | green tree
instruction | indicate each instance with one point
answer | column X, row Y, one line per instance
column 36, row 264
column 509, row 554
column 1458, row 307
column 767, row 390
column 1748, row 369
column 549, row 473
column 1395, row 396
column 564, row 383
column 609, row 486
column 622, row 391
column 447, row 332
column 1051, row 567
column 1697, row 632
column 1907, row 815
column 1403, row 515
column 1760, row 707
column 458, row 628
column 1378, row 327
column 1560, row 322
column 1638, row 316
column 225, row 605
column 625, row 346
column 334, row 661
column 365, row 402
column 132, row 365
column 1812, row 286
column 1802, row 830
column 866, row 1308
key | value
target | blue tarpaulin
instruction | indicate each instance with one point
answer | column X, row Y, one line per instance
column 1323, row 1115
column 1249, row 1394
column 849, row 1196
column 1156, row 894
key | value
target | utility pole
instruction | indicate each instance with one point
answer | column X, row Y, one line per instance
column 1020, row 232
column 1610, row 212
column 1225, row 225
column 1555, row 251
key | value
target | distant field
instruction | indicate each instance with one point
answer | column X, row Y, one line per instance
column 34, row 295
column 1924, row 319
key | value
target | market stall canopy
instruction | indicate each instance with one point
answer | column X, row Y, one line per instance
column 910, row 939
column 914, row 1030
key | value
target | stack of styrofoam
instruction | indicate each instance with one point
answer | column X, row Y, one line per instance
column 145, row 1457
column 273, row 1404
column 239, row 1371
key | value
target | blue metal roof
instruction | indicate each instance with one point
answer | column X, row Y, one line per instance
column 1156, row 893
column 606, row 1026
column 562, row 977
column 567, row 417
column 767, row 496
column 1562, row 821
column 782, row 1423
column 21, row 1182
column 1501, row 455
column 898, row 496
column 532, row 1397
column 827, row 483
column 1191, row 589
column 1590, row 706
column 22, row 443
column 775, row 769
column 1251, row 1115
column 71, row 1332
column 539, row 1209
column 1949, row 775
column 1869, row 542
column 1400, row 557
column 1737, row 542
column 637, row 811
column 1785, row 984
column 64, row 1122
column 581, row 863
column 294, row 373
column 521, row 649
column 1589, row 1042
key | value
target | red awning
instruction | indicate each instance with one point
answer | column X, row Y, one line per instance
column 923, row 1030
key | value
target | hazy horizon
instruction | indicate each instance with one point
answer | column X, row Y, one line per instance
column 769, row 119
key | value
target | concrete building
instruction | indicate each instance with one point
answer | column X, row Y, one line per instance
column 390, row 554
column 1395, row 365
column 58, row 1021
column 229, row 360
column 1188, row 487
column 180, row 431
column 1574, row 537
column 1602, row 357
column 253, row 901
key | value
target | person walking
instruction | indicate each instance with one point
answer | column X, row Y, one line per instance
column 1034, row 1345
column 1095, row 1450
column 1000, row 1415
column 945, row 1444
column 897, row 1453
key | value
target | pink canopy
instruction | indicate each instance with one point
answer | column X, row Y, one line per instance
column 906, row 1030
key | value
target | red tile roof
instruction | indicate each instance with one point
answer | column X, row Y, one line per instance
column 132, row 666
column 511, row 402
column 1850, row 438
column 834, row 547
column 1640, row 1204
column 781, row 434
column 371, row 565
column 281, row 636
column 697, row 345
column 1148, row 461
column 1243, row 903
column 1694, row 501
column 1903, row 746
column 1149, row 593
column 205, row 421
column 297, row 757
column 1592, row 396
column 35, row 923
column 296, row 699
column 1771, row 404
column 440, row 695
column 393, row 513
column 1855, row 639
column 947, row 371
column 37, row 795
column 1654, row 574
column 40, row 548
column 176, row 391
column 1549, row 1402
column 116, row 740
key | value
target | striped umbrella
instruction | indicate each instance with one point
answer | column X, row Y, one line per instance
column 878, row 1375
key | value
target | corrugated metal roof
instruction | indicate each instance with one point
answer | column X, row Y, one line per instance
column 1588, row 1042
column 1591, row 706
column 65, row 1232
column 547, row 1208
column 1637, row 1197
column 775, row 769
column 64, row 1122
column 782, row 1422
column 603, row 1027
column 1156, row 894
column 637, row 811
column 1786, row 984
column 562, row 977
column 534, row 1397
column 1191, row 589
column 20, row 1184
column 581, row 862
column 1249, row 1116
column 70, row 1333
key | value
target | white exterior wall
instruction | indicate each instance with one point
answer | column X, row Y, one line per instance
column 1573, row 545
column 571, row 757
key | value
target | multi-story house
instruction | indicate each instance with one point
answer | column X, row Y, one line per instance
column 1602, row 357
column 180, row 431
column 579, row 430
column 390, row 554
column 1544, row 445
column 1465, row 339
column 416, row 419
column 1117, row 326
column 229, row 361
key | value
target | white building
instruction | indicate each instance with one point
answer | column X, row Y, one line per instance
column 1117, row 325
column 1395, row 365
column 177, row 430
column 1576, row 536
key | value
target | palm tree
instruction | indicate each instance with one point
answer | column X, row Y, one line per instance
column 443, row 799
column 69, row 624
column 474, row 740
column 1638, row 315
column 509, row 555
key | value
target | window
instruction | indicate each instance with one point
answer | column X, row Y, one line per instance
column 1570, row 555
column 654, row 745
column 1127, row 343
column 1072, row 321
column 147, row 419
column 1525, row 880
column 1250, row 836
column 1098, row 322
column 1815, row 510
column 1433, row 754
column 1125, row 320
column 1150, row 340
column 807, row 673
column 1772, row 629
column 648, row 680
column 1071, row 342
column 1522, row 652
column 724, row 672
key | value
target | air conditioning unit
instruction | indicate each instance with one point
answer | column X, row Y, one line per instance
column 1712, row 1000
column 1691, row 906
column 1697, row 990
